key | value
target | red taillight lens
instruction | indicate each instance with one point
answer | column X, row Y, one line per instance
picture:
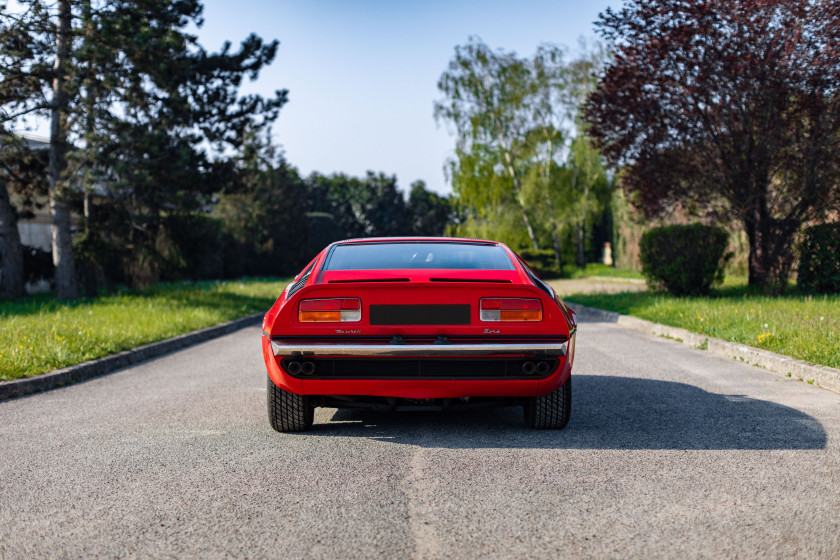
column 510, row 309
column 330, row 310
column 351, row 304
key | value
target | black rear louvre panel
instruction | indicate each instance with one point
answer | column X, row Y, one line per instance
column 457, row 314
column 435, row 368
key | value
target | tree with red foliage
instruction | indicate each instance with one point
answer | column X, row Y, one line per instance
column 733, row 104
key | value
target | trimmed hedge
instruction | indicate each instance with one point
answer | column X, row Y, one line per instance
column 684, row 259
column 819, row 259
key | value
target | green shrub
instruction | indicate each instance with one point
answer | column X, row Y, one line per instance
column 172, row 247
column 819, row 259
column 197, row 240
column 95, row 259
column 37, row 264
column 684, row 259
column 543, row 261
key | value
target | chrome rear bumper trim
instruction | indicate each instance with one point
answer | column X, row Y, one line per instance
column 296, row 349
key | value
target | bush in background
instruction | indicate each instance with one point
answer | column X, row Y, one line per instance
column 543, row 261
column 684, row 259
column 819, row 259
column 197, row 247
column 37, row 265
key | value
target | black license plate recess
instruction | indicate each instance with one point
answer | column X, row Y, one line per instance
column 453, row 314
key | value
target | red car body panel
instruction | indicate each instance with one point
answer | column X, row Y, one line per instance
column 417, row 287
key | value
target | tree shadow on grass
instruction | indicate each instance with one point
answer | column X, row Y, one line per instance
column 607, row 413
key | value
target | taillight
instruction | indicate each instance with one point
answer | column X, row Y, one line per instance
column 330, row 310
column 510, row 309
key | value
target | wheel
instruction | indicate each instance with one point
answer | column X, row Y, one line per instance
column 551, row 411
column 288, row 412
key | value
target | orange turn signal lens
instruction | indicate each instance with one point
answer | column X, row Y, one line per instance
column 330, row 310
column 510, row 309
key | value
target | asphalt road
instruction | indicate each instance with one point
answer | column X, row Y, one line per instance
column 670, row 453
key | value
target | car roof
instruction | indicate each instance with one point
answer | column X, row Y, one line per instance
column 415, row 240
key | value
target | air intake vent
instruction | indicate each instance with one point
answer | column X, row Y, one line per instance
column 297, row 286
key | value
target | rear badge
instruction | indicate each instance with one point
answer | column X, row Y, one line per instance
column 490, row 331
column 340, row 331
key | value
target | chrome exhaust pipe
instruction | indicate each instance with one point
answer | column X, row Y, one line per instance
column 528, row 368
column 542, row 368
column 293, row 367
column 308, row 368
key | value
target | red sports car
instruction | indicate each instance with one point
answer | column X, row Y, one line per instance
column 406, row 323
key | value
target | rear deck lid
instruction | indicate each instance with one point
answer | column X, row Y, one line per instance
column 434, row 276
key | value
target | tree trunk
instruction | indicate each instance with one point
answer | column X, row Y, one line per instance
column 555, row 240
column 581, row 237
column 528, row 226
column 88, row 269
column 12, row 284
column 62, row 242
column 771, row 255
column 517, row 189
column 558, row 258
column 756, row 275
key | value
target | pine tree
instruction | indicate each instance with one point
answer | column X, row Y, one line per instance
column 131, row 97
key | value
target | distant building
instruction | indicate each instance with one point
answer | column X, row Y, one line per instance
column 35, row 231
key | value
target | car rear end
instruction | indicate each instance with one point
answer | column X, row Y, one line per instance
column 418, row 323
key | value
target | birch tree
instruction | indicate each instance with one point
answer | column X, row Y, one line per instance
column 485, row 99
column 517, row 129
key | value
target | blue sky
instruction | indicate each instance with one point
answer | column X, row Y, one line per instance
column 362, row 75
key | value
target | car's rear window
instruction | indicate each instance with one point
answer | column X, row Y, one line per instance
column 413, row 255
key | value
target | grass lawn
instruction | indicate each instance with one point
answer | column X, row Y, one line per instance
column 39, row 333
column 800, row 326
column 602, row 270
column 597, row 269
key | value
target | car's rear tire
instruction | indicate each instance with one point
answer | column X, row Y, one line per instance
column 288, row 412
column 551, row 411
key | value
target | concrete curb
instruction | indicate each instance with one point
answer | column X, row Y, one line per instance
column 101, row 366
column 822, row 376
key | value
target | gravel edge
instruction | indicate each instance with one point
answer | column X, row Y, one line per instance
column 821, row 376
column 86, row 370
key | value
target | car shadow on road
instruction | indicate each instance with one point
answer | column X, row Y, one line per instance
column 607, row 413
